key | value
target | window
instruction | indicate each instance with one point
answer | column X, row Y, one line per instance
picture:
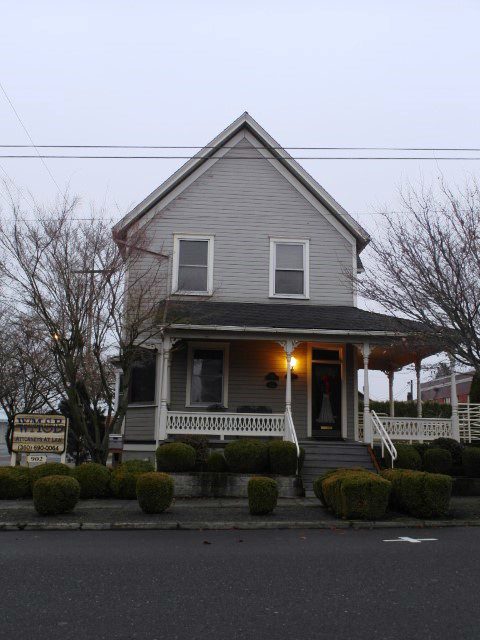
column 289, row 268
column 207, row 375
column 142, row 380
column 193, row 265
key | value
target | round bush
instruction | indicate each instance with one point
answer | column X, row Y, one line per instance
column 454, row 447
column 145, row 466
column 437, row 460
column 262, row 495
column 471, row 462
column 53, row 495
column 247, row 456
column 94, row 480
column 49, row 469
column 123, row 483
column 407, row 457
column 176, row 456
column 216, row 463
column 154, row 492
column 14, row 483
column 282, row 457
column 201, row 446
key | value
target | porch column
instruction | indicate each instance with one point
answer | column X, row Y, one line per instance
column 391, row 399
column 288, row 386
column 162, row 426
column 158, row 391
column 454, row 401
column 367, row 427
column 418, row 368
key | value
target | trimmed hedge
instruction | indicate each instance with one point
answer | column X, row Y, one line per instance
column 452, row 446
column 421, row 494
column 471, row 462
column 94, row 480
column 154, row 492
column 247, row 456
column 49, row 469
column 437, row 460
column 136, row 465
column 282, row 457
column 407, row 457
column 175, row 456
column 262, row 495
column 15, row 483
column 216, row 463
column 356, row 494
column 53, row 495
column 201, row 446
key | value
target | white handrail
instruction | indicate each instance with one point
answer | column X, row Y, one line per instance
column 290, row 432
column 385, row 438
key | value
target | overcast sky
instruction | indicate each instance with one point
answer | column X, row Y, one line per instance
column 313, row 73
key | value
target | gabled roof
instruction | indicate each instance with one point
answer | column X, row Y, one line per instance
column 245, row 121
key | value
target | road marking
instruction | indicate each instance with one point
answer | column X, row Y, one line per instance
column 413, row 540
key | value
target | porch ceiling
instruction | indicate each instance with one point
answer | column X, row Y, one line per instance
column 398, row 354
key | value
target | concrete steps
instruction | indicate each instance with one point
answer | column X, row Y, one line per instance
column 321, row 456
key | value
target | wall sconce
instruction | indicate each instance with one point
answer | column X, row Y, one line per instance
column 272, row 380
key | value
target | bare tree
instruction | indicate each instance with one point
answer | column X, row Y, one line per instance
column 427, row 267
column 27, row 373
column 71, row 275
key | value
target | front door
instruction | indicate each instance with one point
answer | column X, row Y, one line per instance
column 327, row 400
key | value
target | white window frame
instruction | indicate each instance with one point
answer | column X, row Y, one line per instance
column 176, row 260
column 306, row 267
column 212, row 346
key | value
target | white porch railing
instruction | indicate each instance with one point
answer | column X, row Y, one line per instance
column 226, row 424
column 420, row 429
column 469, row 421
column 380, row 432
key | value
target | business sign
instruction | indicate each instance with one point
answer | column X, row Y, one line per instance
column 39, row 433
column 34, row 459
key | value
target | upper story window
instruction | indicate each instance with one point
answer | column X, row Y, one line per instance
column 192, row 265
column 289, row 268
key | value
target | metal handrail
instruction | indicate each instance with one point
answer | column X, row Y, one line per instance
column 290, row 430
column 385, row 438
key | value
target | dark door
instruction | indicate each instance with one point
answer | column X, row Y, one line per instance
column 326, row 400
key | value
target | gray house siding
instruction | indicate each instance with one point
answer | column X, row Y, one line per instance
column 243, row 203
column 140, row 423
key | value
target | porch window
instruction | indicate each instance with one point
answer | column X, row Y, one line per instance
column 207, row 375
column 289, row 268
column 193, row 265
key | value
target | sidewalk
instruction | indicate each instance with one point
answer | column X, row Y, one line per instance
column 291, row 513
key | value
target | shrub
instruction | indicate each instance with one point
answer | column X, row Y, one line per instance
column 282, row 457
column 49, row 469
column 421, row 494
column 216, row 462
column 471, row 461
column 123, row 483
column 94, row 480
column 145, row 466
column 201, row 446
column 247, row 456
column 317, row 485
column 154, row 492
column 14, row 483
column 421, row 447
column 351, row 493
column 407, row 457
column 437, row 460
column 55, row 494
column 175, row 456
column 262, row 495
column 451, row 445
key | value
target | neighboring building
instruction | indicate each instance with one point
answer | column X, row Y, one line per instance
column 261, row 265
column 439, row 389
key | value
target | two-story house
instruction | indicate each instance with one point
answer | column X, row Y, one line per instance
column 264, row 336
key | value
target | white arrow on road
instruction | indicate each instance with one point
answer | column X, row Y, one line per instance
column 414, row 540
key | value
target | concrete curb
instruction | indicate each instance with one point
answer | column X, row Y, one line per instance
column 246, row 525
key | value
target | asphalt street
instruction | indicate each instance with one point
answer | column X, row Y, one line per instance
column 249, row 585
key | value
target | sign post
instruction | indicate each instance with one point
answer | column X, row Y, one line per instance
column 36, row 434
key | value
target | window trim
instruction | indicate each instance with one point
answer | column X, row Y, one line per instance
column 305, row 242
column 211, row 346
column 176, row 260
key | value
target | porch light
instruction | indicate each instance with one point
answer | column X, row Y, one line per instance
column 293, row 363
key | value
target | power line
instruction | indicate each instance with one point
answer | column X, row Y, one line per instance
column 111, row 157
column 29, row 136
column 142, row 146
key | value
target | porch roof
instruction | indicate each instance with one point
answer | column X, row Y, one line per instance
column 296, row 318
